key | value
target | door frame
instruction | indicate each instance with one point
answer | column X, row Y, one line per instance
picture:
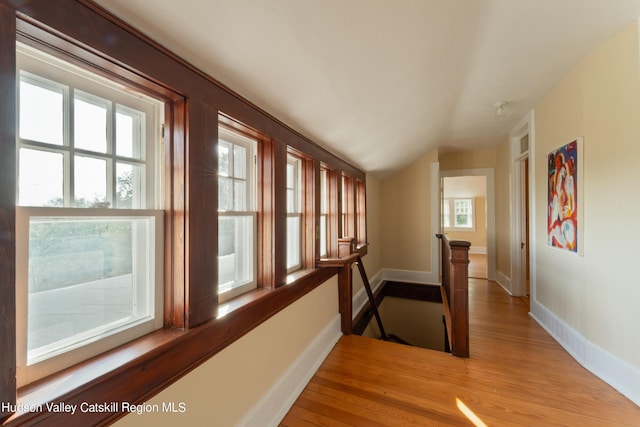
column 517, row 155
column 489, row 174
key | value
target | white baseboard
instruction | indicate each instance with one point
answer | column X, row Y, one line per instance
column 411, row 276
column 617, row 373
column 275, row 404
column 478, row 250
column 503, row 281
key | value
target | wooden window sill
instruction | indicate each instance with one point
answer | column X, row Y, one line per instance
column 138, row 370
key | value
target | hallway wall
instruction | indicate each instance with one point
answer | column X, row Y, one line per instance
column 406, row 217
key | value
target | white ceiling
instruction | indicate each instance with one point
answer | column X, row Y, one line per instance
column 381, row 82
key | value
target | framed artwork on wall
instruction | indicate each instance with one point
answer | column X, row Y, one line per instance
column 563, row 198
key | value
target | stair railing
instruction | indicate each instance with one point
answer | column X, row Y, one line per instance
column 455, row 293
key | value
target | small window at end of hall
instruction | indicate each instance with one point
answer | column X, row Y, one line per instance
column 458, row 213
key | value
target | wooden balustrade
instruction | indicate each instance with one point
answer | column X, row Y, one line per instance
column 455, row 293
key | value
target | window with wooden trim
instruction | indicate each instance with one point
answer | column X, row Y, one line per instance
column 237, row 213
column 89, row 229
column 294, row 213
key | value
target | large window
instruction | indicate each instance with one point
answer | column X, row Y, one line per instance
column 237, row 216
column 88, row 226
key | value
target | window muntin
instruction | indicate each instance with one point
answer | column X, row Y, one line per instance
column 67, row 160
column 458, row 213
column 237, row 216
column 294, row 213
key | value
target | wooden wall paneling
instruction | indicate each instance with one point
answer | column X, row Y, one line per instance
column 310, row 195
column 202, row 208
column 175, row 213
column 334, row 222
column 279, row 213
column 266, row 214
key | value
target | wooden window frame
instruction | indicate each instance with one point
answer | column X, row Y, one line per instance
column 140, row 369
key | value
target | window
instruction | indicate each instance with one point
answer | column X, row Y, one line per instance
column 324, row 212
column 462, row 210
column 237, row 216
column 88, row 226
column 294, row 213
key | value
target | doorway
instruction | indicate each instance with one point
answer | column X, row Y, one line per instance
column 522, row 204
column 465, row 218
column 487, row 248
column 525, row 244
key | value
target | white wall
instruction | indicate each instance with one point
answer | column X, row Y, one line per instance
column 590, row 302
column 228, row 387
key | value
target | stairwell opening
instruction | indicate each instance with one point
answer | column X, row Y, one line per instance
column 411, row 312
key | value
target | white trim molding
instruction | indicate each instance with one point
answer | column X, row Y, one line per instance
column 617, row 373
column 526, row 126
column 504, row 281
column 479, row 250
column 411, row 276
column 489, row 173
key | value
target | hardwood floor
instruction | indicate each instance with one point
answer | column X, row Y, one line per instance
column 516, row 375
column 478, row 266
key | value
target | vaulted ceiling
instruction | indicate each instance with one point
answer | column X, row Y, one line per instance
column 381, row 82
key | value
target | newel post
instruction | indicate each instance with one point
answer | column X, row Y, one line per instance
column 459, row 297
column 346, row 247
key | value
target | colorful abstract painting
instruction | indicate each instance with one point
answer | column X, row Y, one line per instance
column 562, row 209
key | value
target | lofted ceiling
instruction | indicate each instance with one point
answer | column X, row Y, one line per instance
column 381, row 82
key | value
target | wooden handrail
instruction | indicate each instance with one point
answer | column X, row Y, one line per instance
column 455, row 293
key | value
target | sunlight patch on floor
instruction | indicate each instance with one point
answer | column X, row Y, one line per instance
column 469, row 414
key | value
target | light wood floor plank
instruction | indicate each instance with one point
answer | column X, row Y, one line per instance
column 517, row 375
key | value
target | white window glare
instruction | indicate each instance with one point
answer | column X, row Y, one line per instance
column 90, row 122
column 36, row 188
column 294, row 214
column 41, row 110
